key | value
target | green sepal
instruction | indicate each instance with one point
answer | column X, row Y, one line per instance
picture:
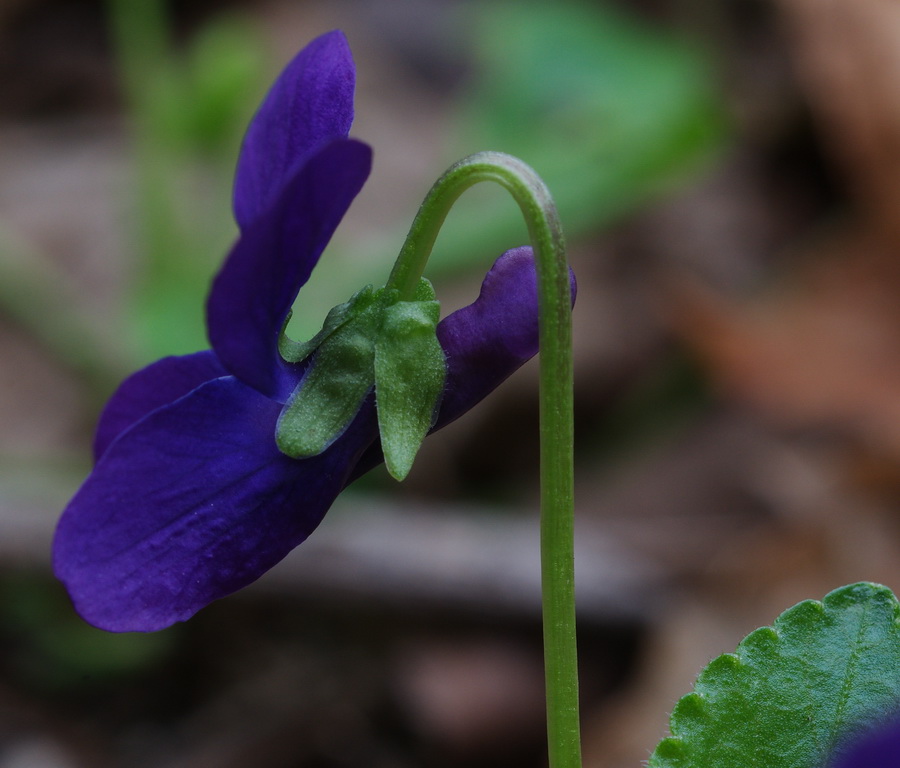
column 371, row 340
column 793, row 693
column 410, row 370
column 297, row 351
column 339, row 378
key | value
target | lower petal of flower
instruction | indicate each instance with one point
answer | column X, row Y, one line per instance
column 158, row 384
column 192, row 503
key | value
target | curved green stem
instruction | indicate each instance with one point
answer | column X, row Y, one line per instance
column 556, row 419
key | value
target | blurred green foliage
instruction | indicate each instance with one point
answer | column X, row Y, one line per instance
column 607, row 109
column 47, row 647
column 189, row 110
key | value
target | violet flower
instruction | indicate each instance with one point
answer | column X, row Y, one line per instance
column 190, row 498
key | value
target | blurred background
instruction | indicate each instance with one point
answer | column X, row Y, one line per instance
column 726, row 172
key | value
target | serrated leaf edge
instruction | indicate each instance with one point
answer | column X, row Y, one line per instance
column 675, row 746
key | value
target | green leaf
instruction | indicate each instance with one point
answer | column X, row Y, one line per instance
column 791, row 693
column 338, row 380
column 409, row 378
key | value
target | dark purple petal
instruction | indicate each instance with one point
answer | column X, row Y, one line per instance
column 192, row 503
column 273, row 258
column 150, row 388
column 311, row 103
column 877, row 749
column 485, row 342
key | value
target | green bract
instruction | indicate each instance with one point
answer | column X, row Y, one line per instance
column 372, row 340
column 792, row 692
column 296, row 351
column 409, row 377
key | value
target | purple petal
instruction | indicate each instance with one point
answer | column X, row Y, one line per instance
column 311, row 103
column 485, row 342
column 877, row 749
column 273, row 258
column 190, row 504
column 152, row 387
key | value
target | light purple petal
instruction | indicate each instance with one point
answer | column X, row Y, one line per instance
column 273, row 258
column 485, row 342
column 192, row 503
column 311, row 103
column 150, row 388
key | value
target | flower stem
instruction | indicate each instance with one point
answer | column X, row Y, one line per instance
column 556, row 419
